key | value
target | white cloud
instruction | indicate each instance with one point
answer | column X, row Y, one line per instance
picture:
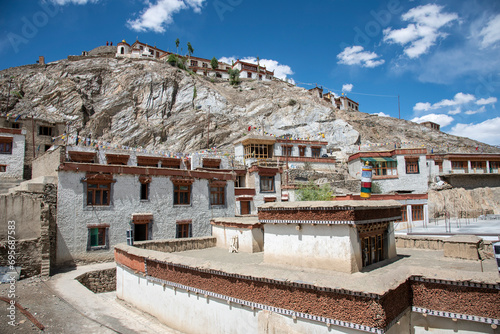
column 156, row 16
column 490, row 34
column 354, row 55
column 472, row 112
column 489, row 100
column 440, row 119
column 280, row 71
column 75, row 2
column 381, row 114
column 486, row 132
column 458, row 99
column 347, row 87
column 423, row 33
column 455, row 111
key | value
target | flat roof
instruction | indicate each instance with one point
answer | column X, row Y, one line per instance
column 305, row 205
column 253, row 220
column 377, row 278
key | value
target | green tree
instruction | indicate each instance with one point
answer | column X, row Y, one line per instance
column 190, row 49
column 234, row 76
column 312, row 192
column 177, row 42
column 214, row 62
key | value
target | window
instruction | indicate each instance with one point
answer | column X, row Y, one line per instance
column 5, row 145
column 183, row 229
column 267, row 184
column 302, row 151
column 417, row 212
column 47, row 147
column 204, row 65
column 194, row 63
column 240, row 181
column 258, row 151
column 15, row 125
column 182, row 194
column 315, row 152
column 459, row 165
column 97, row 237
column 385, row 168
column 260, row 76
column 286, row 150
column 218, row 75
column 217, row 195
column 404, row 214
column 249, row 74
column 3, row 168
column 478, row 165
column 440, row 165
column 373, row 245
column 412, row 166
column 98, row 193
column 45, row 131
column 122, row 50
column 144, row 191
column 494, row 166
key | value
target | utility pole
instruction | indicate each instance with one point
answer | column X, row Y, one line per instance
column 399, row 108
column 208, row 128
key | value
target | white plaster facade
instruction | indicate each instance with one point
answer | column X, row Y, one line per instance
column 335, row 247
column 74, row 217
column 249, row 234
column 253, row 71
column 398, row 180
column 12, row 161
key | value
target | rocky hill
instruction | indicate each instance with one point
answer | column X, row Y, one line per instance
column 151, row 104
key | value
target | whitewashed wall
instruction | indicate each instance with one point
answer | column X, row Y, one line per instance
column 14, row 161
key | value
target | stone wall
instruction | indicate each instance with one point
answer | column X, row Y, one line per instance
column 34, row 215
column 28, row 256
column 99, row 281
column 177, row 245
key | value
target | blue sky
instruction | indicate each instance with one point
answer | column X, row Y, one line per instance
column 441, row 57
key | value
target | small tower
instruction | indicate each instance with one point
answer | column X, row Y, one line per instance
column 122, row 49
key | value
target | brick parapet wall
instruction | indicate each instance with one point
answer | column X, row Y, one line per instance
column 329, row 215
column 320, row 303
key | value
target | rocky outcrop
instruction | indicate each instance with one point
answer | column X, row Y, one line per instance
column 459, row 202
column 149, row 103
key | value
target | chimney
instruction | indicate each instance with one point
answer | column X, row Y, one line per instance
column 41, row 60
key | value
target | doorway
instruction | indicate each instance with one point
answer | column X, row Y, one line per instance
column 140, row 232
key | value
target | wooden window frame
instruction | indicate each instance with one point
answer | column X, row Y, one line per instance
column 99, row 187
column 266, row 183
column 381, row 168
column 258, row 151
column 102, row 236
column 315, row 152
column 184, row 229
column 412, row 167
column 144, row 196
column 6, row 145
column 286, row 150
column 3, row 168
column 217, row 195
column 302, row 151
column 460, row 165
column 417, row 212
column 179, row 191
column 404, row 214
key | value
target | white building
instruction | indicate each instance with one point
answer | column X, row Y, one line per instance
column 103, row 194
column 401, row 170
column 139, row 50
column 12, row 147
column 348, row 104
column 253, row 71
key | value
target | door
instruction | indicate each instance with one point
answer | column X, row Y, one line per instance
column 245, row 207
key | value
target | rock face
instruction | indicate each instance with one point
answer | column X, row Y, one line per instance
column 151, row 104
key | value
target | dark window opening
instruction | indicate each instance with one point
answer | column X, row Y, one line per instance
column 315, row 152
column 144, row 191
column 141, row 232
column 267, row 184
column 45, row 131
column 47, row 147
column 3, row 168
column 15, row 125
column 6, row 146
column 122, row 50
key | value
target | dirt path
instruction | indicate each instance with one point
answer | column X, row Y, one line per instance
column 63, row 305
